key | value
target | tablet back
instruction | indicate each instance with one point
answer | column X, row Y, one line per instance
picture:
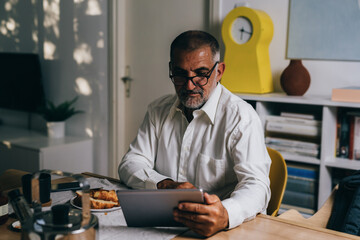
column 154, row 208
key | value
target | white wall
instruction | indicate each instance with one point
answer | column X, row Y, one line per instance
column 151, row 26
column 71, row 39
column 22, row 30
column 325, row 75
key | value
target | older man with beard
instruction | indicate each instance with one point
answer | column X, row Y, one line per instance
column 202, row 137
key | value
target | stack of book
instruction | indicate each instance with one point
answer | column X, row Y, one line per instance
column 296, row 134
column 348, row 134
column 301, row 188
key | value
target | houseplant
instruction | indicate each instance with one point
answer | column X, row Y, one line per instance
column 55, row 116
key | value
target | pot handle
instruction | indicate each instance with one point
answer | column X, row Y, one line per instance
column 83, row 183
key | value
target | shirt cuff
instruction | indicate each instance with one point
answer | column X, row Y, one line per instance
column 235, row 219
column 153, row 179
column 236, row 216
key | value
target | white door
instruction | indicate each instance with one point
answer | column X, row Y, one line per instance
column 144, row 45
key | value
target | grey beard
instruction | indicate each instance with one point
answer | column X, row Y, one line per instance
column 183, row 96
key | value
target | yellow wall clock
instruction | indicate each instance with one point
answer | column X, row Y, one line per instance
column 247, row 34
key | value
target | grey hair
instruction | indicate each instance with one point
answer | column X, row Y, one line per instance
column 193, row 40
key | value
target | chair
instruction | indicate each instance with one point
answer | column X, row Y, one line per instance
column 319, row 219
column 278, row 178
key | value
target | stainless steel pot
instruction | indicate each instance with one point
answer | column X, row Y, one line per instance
column 61, row 222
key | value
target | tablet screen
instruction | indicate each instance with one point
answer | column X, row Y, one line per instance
column 154, row 208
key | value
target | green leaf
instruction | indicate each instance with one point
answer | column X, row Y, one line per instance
column 63, row 111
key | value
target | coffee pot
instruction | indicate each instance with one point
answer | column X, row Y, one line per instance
column 61, row 222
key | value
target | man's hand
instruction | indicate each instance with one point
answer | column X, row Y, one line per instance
column 201, row 218
column 170, row 184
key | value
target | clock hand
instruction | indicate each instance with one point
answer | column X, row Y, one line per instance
column 241, row 33
column 247, row 32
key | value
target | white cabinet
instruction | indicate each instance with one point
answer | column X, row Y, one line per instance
column 325, row 110
column 31, row 151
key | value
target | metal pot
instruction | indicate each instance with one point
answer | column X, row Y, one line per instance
column 61, row 222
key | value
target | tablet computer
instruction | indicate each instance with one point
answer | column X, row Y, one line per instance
column 154, row 208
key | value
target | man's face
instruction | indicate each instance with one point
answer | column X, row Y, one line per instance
column 192, row 63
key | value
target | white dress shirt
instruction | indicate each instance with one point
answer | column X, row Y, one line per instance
column 221, row 150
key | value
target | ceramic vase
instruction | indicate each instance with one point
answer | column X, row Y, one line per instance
column 56, row 129
column 295, row 79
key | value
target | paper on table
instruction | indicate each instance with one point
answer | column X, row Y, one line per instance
column 112, row 225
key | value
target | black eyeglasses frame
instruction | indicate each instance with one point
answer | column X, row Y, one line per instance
column 207, row 76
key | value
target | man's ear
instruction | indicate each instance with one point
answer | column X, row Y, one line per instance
column 220, row 71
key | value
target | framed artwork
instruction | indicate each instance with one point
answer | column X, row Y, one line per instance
column 324, row 30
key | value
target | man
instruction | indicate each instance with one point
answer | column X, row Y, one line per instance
column 202, row 137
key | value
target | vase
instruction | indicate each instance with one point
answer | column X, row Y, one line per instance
column 56, row 129
column 295, row 79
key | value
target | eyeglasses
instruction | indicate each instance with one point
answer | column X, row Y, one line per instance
column 198, row 80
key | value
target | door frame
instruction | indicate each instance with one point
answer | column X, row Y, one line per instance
column 116, row 99
column 117, row 64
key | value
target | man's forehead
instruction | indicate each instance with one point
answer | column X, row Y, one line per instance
column 203, row 51
column 200, row 56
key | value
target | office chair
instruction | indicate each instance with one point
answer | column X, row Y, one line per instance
column 278, row 178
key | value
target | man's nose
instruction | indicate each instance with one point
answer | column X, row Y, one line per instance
column 190, row 84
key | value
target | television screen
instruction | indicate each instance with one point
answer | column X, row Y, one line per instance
column 21, row 85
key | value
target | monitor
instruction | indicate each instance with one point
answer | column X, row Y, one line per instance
column 21, row 85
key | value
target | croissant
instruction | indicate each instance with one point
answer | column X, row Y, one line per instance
column 99, row 199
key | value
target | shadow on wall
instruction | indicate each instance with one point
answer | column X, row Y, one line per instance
column 70, row 37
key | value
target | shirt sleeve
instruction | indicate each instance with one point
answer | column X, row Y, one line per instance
column 136, row 169
column 251, row 166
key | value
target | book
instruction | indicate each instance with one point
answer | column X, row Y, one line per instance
column 351, row 137
column 356, row 148
column 300, row 199
column 302, row 170
column 347, row 94
column 297, row 151
column 298, row 115
column 291, row 143
column 343, row 151
column 338, row 131
column 293, row 120
column 297, row 129
column 302, row 184
column 300, row 209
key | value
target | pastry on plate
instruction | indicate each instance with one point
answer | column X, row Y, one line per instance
column 99, row 199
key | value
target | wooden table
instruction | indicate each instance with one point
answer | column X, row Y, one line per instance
column 262, row 227
column 272, row 228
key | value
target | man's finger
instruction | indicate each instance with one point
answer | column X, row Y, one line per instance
column 193, row 217
column 193, row 208
column 210, row 199
column 194, row 226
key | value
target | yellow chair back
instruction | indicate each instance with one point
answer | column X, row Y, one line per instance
column 278, row 178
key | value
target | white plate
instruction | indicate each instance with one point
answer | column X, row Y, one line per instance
column 94, row 210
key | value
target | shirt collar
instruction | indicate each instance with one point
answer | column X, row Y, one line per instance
column 175, row 108
column 209, row 107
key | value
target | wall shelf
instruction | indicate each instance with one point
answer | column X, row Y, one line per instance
column 343, row 163
column 325, row 110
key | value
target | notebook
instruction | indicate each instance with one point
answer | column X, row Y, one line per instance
column 154, row 208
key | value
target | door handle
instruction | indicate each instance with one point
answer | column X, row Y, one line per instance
column 127, row 81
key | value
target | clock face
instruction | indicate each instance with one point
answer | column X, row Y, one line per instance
column 241, row 30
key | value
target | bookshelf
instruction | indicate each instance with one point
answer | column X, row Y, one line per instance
column 325, row 110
